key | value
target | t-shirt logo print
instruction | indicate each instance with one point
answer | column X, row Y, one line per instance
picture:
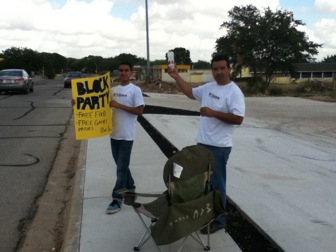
column 214, row 96
column 119, row 95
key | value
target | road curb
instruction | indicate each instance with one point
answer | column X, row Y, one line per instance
column 73, row 216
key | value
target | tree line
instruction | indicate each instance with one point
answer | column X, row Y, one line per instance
column 51, row 64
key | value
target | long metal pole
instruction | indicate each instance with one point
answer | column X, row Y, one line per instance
column 147, row 42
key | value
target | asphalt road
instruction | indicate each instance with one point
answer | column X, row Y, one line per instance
column 31, row 128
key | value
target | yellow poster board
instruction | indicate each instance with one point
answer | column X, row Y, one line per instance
column 92, row 112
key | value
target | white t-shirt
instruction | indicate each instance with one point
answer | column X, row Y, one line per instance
column 225, row 98
column 123, row 123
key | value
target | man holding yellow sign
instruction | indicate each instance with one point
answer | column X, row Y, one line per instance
column 92, row 101
column 127, row 104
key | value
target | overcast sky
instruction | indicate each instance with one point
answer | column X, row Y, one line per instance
column 78, row 28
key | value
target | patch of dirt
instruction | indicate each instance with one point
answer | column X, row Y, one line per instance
column 46, row 231
column 159, row 87
column 322, row 98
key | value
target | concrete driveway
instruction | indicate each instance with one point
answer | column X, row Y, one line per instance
column 282, row 168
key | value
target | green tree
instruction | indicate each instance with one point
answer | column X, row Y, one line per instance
column 51, row 64
column 58, row 61
column 159, row 62
column 181, row 55
column 33, row 61
column 201, row 64
column 104, row 65
column 265, row 42
column 329, row 59
column 92, row 64
column 25, row 58
column 73, row 64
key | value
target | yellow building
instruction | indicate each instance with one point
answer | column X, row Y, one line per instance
column 160, row 72
column 185, row 71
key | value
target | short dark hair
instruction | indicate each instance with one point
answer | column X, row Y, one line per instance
column 127, row 63
column 219, row 57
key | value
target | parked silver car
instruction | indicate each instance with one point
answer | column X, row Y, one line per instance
column 16, row 80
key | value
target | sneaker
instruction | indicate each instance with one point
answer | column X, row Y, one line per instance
column 213, row 229
column 113, row 207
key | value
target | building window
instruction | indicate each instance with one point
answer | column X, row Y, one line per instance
column 327, row 74
column 296, row 75
column 317, row 75
column 306, row 75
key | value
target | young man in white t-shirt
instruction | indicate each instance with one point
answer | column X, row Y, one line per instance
column 222, row 108
column 127, row 104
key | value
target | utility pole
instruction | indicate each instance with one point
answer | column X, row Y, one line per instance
column 147, row 42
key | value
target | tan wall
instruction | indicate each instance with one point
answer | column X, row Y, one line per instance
column 245, row 72
column 191, row 76
column 289, row 80
column 165, row 77
column 201, row 76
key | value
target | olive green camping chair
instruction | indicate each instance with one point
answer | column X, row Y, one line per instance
column 187, row 206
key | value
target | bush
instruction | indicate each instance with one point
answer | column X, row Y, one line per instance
column 276, row 91
column 254, row 85
column 50, row 74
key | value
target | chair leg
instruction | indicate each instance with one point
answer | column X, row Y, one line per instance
column 208, row 237
column 206, row 247
column 146, row 236
column 180, row 248
column 198, row 239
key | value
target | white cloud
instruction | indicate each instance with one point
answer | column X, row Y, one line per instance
column 326, row 6
column 328, row 38
column 78, row 28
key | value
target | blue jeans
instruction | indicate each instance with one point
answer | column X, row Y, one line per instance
column 121, row 152
column 218, row 177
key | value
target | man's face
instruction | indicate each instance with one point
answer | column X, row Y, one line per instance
column 125, row 73
column 221, row 72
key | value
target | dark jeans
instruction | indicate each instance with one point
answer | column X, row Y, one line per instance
column 121, row 152
column 218, row 178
